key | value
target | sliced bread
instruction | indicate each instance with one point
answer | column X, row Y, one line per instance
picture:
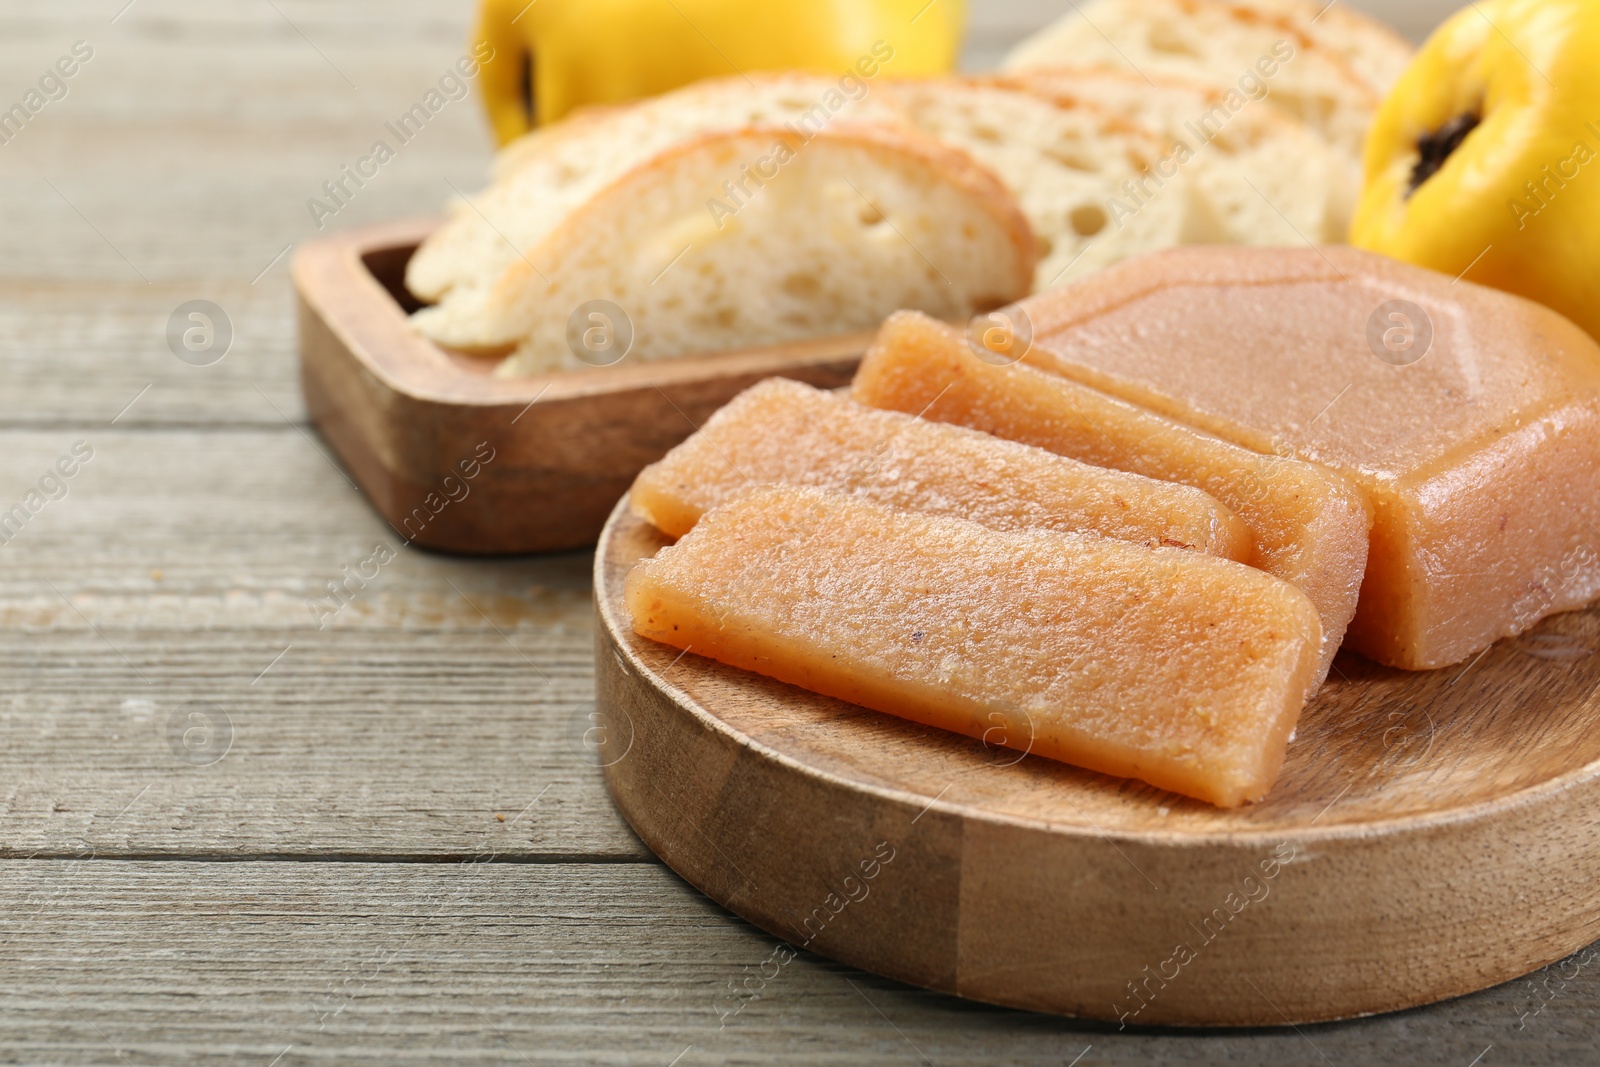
column 1375, row 52
column 1070, row 167
column 1248, row 49
column 540, row 179
column 1268, row 179
column 835, row 233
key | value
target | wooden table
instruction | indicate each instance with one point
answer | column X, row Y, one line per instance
column 229, row 834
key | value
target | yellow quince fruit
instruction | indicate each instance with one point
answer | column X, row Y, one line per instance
column 1482, row 161
column 551, row 56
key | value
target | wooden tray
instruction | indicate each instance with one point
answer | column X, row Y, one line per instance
column 1441, row 833
column 405, row 415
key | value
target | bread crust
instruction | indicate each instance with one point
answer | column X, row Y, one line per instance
column 594, row 118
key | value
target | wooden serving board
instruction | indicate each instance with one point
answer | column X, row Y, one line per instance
column 1431, row 835
column 405, row 415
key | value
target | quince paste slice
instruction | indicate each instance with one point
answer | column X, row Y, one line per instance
column 1310, row 524
column 1180, row 669
column 783, row 431
column 1469, row 417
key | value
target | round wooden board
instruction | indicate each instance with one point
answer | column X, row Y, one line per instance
column 1431, row 835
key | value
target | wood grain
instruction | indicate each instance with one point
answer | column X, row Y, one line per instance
column 192, row 142
column 181, row 162
column 406, row 964
column 178, row 568
column 1447, row 815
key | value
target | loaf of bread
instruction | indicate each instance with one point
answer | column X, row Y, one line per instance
column 858, row 221
column 1326, row 65
column 970, row 178
column 748, row 211
column 1372, row 50
column 1070, row 166
column 541, row 179
column 1262, row 178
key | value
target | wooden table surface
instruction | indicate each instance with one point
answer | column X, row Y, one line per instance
column 229, row 835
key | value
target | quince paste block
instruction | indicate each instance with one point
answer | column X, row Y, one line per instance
column 1180, row 669
column 1310, row 525
column 1468, row 416
column 783, row 431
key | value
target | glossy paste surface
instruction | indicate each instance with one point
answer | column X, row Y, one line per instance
column 1469, row 417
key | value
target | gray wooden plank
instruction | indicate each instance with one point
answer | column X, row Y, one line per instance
column 361, row 744
column 179, row 167
column 183, row 559
column 175, row 576
column 176, row 963
column 191, row 529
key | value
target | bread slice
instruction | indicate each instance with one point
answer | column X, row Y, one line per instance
column 1268, row 179
column 1375, row 52
column 1228, row 46
column 859, row 220
column 1070, row 167
column 540, row 179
